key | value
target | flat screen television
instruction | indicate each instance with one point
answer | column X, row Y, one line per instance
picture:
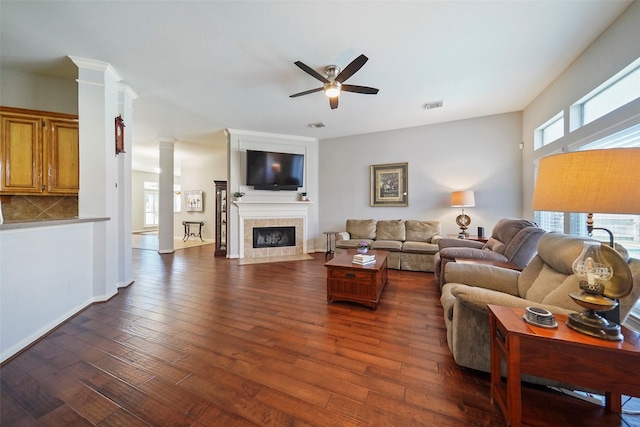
column 267, row 170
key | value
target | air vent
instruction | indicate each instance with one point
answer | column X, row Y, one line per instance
column 434, row 104
column 316, row 125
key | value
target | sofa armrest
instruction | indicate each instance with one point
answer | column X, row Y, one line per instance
column 483, row 276
column 343, row 235
column 435, row 239
column 478, row 299
column 459, row 243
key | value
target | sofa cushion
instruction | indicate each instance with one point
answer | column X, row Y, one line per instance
column 351, row 243
column 361, row 228
column 547, row 280
column 421, row 231
column 504, row 231
column 387, row 245
column 559, row 251
column 392, row 229
column 419, row 247
column 560, row 295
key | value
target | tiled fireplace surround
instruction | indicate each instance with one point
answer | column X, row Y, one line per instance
column 271, row 214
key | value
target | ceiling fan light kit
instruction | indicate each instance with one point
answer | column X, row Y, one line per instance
column 334, row 79
column 332, row 89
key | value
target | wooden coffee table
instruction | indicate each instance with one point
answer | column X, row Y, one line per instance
column 347, row 281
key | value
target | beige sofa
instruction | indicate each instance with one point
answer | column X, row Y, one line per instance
column 412, row 244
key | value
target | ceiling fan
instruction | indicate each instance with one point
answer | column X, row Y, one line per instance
column 334, row 79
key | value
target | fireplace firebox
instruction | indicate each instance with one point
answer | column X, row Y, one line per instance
column 273, row 237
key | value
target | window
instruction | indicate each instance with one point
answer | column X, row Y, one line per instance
column 151, row 199
column 177, row 198
column 150, row 204
column 616, row 92
column 550, row 131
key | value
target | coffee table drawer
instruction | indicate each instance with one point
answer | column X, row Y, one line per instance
column 351, row 275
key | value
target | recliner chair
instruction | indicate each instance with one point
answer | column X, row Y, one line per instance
column 545, row 282
column 512, row 240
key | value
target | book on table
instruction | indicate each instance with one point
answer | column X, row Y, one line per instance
column 364, row 259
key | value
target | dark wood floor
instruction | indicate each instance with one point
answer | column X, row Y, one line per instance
column 202, row 341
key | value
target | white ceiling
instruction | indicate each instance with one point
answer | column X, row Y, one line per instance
column 202, row 66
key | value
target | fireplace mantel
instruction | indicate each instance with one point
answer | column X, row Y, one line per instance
column 245, row 203
column 274, row 212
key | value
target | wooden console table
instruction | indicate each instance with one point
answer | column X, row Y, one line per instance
column 347, row 281
column 560, row 354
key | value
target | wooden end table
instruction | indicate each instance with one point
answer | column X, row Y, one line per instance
column 362, row 284
column 560, row 354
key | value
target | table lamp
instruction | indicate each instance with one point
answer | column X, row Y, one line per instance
column 600, row 181
column 594, row 181
column 463, row 199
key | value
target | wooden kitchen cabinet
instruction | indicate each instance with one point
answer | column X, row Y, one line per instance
column 39, row 152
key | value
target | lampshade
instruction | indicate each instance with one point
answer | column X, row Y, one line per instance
column 594, row 181
column 462, row 199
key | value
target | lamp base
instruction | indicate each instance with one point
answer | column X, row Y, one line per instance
column 463, row 222
column 591, row 323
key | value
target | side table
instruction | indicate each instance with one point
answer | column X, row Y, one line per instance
column 188, row 232
column 331, row 242
column 560, row 354
column 469, row 237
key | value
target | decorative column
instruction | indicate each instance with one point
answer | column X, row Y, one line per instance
column 165, row 194
column 126, row 96
column 98, row 195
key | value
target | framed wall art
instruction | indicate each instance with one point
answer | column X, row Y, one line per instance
column 193, row 201
column 389, row 184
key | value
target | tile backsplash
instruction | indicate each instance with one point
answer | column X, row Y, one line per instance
column 29, row 208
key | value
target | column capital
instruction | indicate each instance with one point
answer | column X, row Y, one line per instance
column 93, row 65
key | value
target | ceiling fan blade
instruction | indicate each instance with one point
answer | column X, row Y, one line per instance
column 360, row 89
column 304, row 67
column 333, row 102
column 306, row 92
column 351, row 69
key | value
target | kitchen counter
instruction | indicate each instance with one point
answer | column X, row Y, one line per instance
column 12, row 225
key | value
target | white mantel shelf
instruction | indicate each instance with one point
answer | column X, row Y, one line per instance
column 271, row 202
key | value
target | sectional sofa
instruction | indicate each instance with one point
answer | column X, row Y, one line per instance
column 412, row 244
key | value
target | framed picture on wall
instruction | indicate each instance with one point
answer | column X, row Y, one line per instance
column 193, row 201
column 389, row 184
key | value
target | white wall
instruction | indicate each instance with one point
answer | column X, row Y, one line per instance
column 612, row 51
column 34, row 300
column 199, row 173
column 36, row 92
column 480, row 154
